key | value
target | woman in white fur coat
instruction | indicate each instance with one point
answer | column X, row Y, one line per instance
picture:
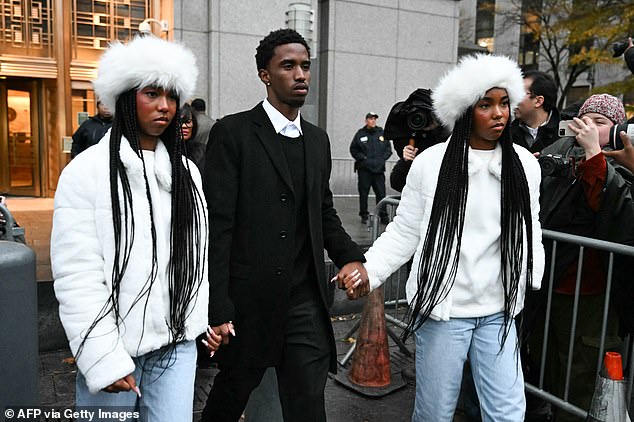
column 469, row 215
column 129, row 241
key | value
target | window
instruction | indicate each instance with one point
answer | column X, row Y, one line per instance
column 97, row 22
column 25, row 27
column 485, row 24
column 528, row 56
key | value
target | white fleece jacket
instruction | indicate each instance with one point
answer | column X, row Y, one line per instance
column 406, row 234
column 82, row 258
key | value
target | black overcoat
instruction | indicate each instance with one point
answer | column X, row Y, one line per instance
column 252, row 232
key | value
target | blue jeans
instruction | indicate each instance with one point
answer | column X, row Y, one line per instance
column 442, row 348
column 166, row 381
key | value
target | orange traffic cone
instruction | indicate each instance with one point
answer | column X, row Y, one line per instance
column 371, row 359
column 608, row 402
column 369, row 373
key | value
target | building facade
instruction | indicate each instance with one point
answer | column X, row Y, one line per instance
column 367, row 55
column 48, row 57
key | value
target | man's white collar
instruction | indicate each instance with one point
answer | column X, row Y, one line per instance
column 279, row 121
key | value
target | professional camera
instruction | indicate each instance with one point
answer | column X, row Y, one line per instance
column 413, row 119
column 615, row 138
column 554, row 165
column 619, row 48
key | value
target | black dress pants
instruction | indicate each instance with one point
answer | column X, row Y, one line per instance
column 376, row 181
column 301, row 375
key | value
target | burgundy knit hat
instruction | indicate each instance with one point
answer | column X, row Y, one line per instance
column 605, row 104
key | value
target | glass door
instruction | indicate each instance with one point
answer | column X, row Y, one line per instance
column 19, row 138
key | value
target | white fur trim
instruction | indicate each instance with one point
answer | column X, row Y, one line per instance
column 145, row 61
column 467, row 82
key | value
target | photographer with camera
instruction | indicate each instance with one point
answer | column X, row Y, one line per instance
column 536, row 116
column 585, row 194
column 370, row 150
column 412, row 127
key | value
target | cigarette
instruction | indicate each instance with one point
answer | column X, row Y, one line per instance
column 231, row 329
column 137, row 391
column 332, row 280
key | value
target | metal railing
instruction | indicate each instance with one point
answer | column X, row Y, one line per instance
column 394, row 300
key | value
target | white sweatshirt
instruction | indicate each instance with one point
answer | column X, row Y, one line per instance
column 477, row 290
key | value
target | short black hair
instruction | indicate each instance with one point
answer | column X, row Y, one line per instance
column 199, row 105
column 544, row 85
column 264, row 51
column 186, row 112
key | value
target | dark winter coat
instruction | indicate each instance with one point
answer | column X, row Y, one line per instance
column 252, row 213
column 546, row 135
column 89, row 133
column 370, row 149
column 564, row 208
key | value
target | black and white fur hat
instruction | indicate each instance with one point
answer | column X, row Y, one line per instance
column 145, row 61
column 468, row 81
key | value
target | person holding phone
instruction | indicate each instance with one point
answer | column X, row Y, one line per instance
column 591, row 198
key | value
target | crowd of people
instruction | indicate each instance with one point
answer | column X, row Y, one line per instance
column 173, row 233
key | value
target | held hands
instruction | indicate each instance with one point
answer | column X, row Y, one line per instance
column 353, row 278
column 409, row 152
column 587, row 135
column 624, row 157
column 126, row 383
column 215, row 336
column 213, row 339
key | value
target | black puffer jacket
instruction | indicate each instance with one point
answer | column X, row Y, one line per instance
column 564, row 208
column 370, row 149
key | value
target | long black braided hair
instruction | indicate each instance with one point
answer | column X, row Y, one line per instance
column 187, row 238
column 441, row 249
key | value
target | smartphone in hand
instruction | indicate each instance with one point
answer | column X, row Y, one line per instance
column 564, row 130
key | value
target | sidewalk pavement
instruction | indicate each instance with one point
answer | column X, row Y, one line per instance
column 57, row 371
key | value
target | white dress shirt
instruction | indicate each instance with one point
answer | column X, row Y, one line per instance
column 283, row 126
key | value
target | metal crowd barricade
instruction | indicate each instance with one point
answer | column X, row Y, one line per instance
column 583, row 243
column 396, row 302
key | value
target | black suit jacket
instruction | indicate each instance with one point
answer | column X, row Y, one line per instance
column 252, row 228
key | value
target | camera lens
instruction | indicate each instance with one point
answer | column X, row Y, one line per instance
column 417, row 120
column 615, row 138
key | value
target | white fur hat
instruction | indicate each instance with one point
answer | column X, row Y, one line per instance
column 145, row 61
column 468, row 81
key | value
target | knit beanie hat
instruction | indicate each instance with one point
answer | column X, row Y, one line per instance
column 606, row 105
column 145, row 61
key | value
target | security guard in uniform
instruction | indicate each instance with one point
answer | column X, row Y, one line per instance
column 370, row 150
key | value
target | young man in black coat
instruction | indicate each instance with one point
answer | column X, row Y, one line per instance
column 271, row 213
